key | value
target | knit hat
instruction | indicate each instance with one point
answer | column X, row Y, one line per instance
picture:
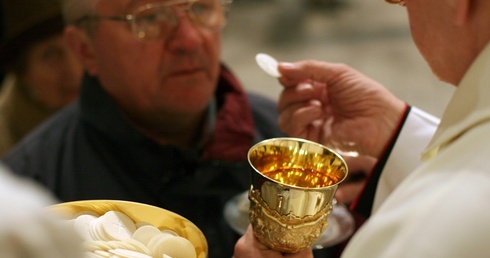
column 25, row 22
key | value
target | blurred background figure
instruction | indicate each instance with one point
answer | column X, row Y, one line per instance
column 27, row 230
column 359, row 169
column 40, row 74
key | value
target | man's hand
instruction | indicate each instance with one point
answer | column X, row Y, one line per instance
column 249, row 247
column 337, row 106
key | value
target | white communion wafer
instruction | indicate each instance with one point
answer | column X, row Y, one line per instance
column 137, row 246
column 121, row 245
column 96, row 231
column 114, row 235
column 96, row 245
column 155, row 243
column 117, row 225
column 102, row 253
column 128, row 254
column 268, row 64
column 82, row 225
column 169, row 232
column 91, row 255
column 145, row 233
column 142, row 223
column 176, row 247
column 86, row 213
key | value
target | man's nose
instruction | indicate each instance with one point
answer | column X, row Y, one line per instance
column 187, row 34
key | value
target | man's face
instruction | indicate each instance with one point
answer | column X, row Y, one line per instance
column 176, row 76
column 431, row 25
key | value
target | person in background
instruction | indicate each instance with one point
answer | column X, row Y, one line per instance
column 438, row 209
column 359, row 168
column 159, row 120
column 27, row 227
column 41, row 74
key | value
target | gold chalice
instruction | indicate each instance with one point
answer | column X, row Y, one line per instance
column 293, row 185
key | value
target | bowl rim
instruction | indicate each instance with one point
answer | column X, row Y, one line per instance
column 138, row 212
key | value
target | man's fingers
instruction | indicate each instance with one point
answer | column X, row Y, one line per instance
column 293, row 73
column 300, row 93
column 296, row 119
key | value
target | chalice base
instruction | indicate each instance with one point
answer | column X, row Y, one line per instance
column 285, row 233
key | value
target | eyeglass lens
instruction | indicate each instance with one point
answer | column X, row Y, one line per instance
column 157, row 21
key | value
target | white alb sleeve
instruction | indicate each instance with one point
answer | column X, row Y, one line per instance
column 418, row 129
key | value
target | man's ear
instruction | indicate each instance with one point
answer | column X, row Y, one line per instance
column 461, row 11
column 80, row 42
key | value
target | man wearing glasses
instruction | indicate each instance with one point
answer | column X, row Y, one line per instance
column 159, row 121
column 440, row 209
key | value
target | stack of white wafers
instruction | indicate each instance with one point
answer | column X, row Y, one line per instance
column 114, row 234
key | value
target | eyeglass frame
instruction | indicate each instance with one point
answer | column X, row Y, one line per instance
column 131, row 17
column 400, row 2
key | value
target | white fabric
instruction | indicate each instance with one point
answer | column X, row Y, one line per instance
column 441, row 209
column 26, row 228
column 405, row 156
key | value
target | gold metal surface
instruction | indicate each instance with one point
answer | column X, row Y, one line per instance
column 293, row 185
column 138, row 212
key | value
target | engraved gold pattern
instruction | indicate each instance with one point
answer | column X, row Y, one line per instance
column 272, row 229
column 293, row 185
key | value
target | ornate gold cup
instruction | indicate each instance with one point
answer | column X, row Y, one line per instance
column 293, row 185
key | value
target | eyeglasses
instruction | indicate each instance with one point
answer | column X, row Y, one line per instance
column 400, row 2
column 157, row 21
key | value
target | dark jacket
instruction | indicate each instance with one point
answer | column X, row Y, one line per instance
column 90, row 151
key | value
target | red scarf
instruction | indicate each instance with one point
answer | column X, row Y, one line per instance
column 234, row 129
